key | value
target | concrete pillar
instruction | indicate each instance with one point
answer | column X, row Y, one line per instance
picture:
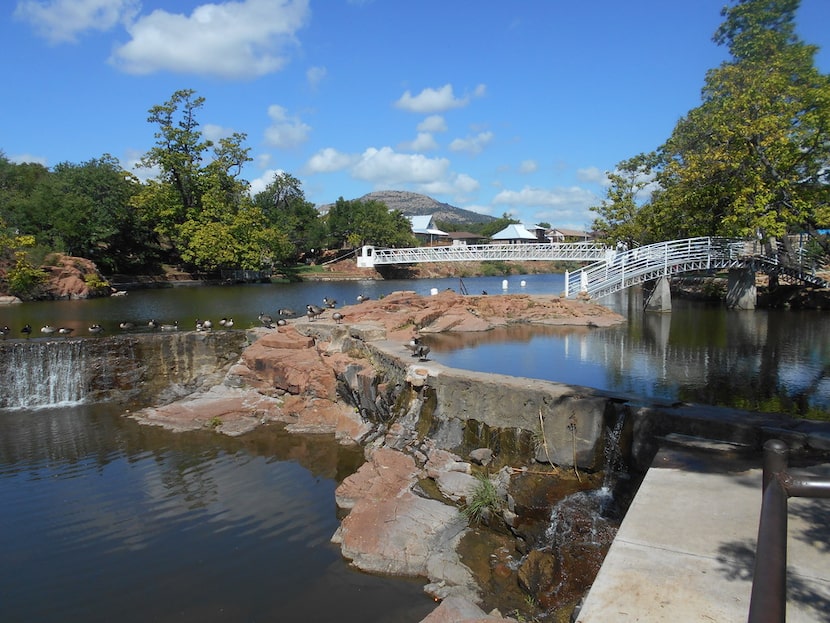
column 740, row 290
column 660, row 298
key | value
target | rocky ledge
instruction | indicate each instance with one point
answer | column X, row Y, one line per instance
column 411, row 506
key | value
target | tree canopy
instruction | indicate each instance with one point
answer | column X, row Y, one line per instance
column 754, row 158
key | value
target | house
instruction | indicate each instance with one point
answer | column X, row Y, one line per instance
column 560, row 234
column 462, row 238
column 424, row 228
column 515, row 234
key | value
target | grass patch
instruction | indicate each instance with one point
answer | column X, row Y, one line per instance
column 483, row 501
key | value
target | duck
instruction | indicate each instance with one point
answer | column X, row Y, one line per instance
column 330, row 303
column 27, row 330
column 47, row 329
column 337, row 317
column 170, row 327
column 266, row 320
column 66, row 331
column 125, row 325
column 286, row 313
column 95, row 329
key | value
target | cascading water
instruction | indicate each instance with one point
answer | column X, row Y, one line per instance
column 583, row 525
column 42, row 373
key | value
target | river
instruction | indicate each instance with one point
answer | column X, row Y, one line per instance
column 106, row 520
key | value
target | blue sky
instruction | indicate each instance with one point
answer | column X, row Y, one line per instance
column 498, row 107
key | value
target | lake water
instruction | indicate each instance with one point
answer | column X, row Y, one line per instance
column 106, row 520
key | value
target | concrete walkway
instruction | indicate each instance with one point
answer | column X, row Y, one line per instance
column 686, row 548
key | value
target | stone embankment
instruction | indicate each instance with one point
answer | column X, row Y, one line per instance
column 436, row 439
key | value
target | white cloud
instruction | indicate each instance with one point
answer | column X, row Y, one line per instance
column 528, row 166
column 258, row 185
column 591, row 174
column 435, row 100
column 386, row 167
column 328, row 160
column 214, row 132
column 563, row 207
column 61, row 21
column 473, row 144
column 315, row 76
column 285, row 131
column 239, row 40
column 423, row 142
column 433, row 123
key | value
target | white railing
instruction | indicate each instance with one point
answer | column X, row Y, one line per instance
column 556, row 251
column 623, row 269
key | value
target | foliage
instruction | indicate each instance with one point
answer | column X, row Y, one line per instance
column 753, row 158
column 24, row 278
column 482, row 501
column 493, row 227
column 621, row 215
column 357, row 223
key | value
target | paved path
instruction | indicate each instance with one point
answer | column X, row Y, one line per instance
column 686, row 548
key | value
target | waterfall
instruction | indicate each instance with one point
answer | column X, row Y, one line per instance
column 40, row 373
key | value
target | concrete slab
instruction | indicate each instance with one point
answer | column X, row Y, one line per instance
column 686, row 548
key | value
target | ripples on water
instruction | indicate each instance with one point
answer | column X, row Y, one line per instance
column 106, row 521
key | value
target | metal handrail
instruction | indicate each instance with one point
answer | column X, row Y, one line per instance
column 768, row 602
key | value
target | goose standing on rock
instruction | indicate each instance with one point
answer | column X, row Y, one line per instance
column 66, row 331
column 337, row 317
column 361, row 298
column 313, row 311
column 4, row 332
column 226, row 322
column 170, row 327
column 266, row 320
column 126, row 326
column 27, row 330
column 153, row 324
column 95, row 329
column 47, row 329
column 330, row 303
column 286, row 313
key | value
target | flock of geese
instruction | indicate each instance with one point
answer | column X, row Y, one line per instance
column 417, row 348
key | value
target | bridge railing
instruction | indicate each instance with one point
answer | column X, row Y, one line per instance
column 621, row 269
column 556, row 251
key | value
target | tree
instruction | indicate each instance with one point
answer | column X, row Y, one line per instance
column 356, row 223
column 753, row 158
column 285, row 207
column 621, row 214
column 493, row 227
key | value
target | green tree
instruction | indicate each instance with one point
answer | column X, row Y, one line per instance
column 753, row 158
column 622, row 214
column 356, row 223
column 285, row 207
column 493, row 227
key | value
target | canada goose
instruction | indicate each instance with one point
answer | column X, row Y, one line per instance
column 203, row 325
column 95, row 329
column 361, row 298
column 266, row 320
column 281, row 322
column 47, row 329
column 421, row 351
column 65, row 331
column 126, row 326
column 4, row 332
column 170, row 327
column 153, row 324
column 313, row 311
column 330, row 303
column 226, row 322
column 27, row 330
column 338, row 317
column 286, row 313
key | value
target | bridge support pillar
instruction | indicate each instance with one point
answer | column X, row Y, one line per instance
column 741, row 292
column 660, row 298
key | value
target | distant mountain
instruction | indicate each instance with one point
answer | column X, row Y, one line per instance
column 415, row 204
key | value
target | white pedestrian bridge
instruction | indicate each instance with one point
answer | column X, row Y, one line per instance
column 607, row 270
